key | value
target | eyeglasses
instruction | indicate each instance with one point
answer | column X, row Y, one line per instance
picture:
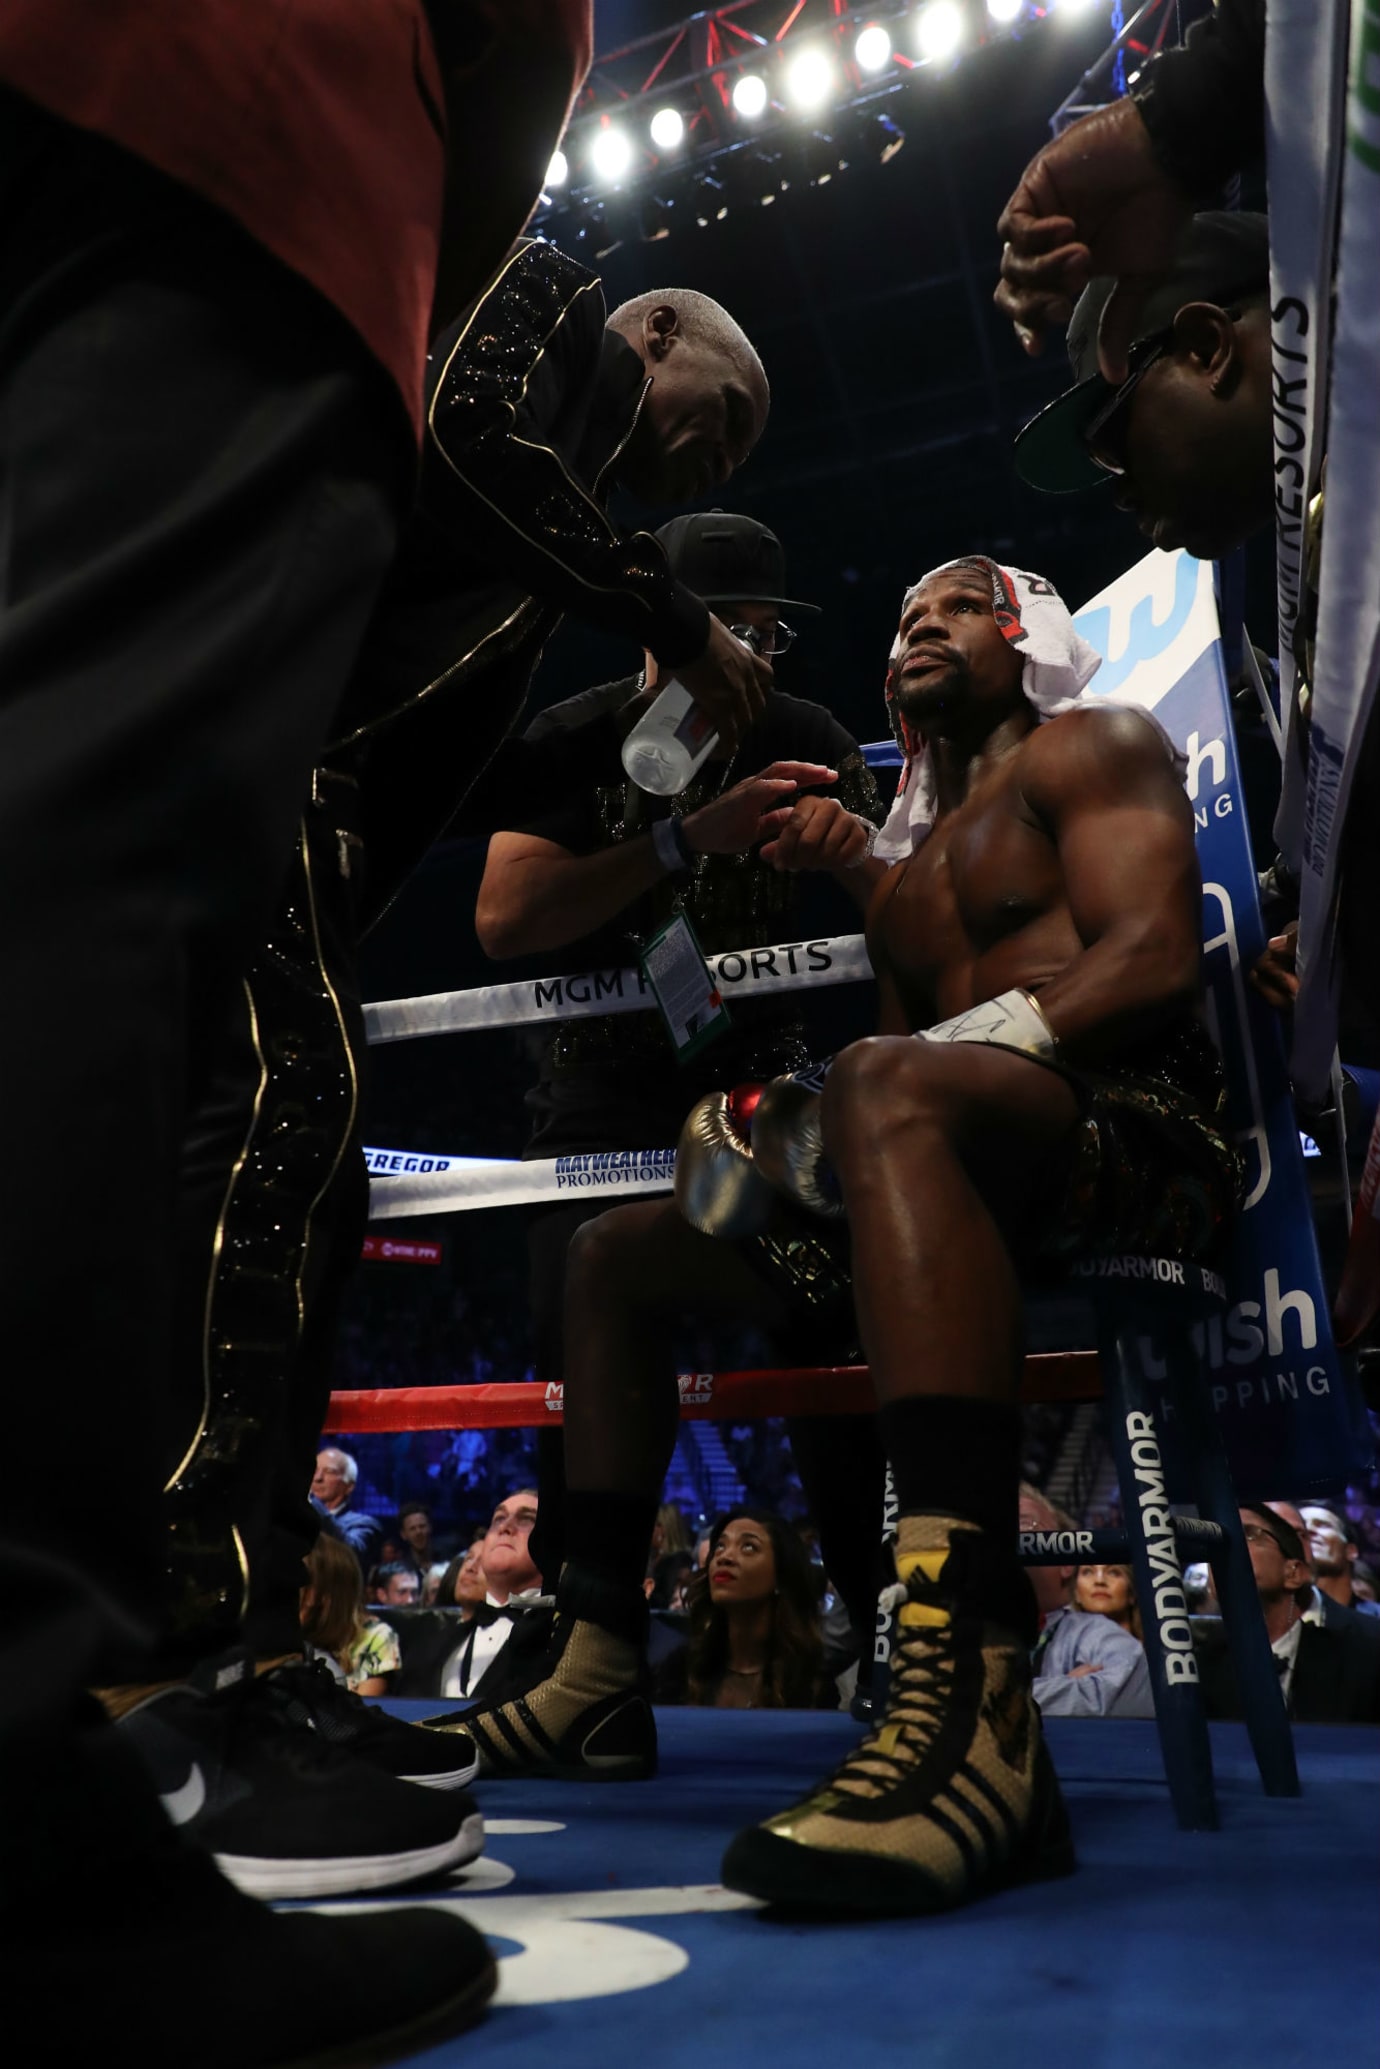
column 768, row 640
column 1257, row 1534
column 1104, row 434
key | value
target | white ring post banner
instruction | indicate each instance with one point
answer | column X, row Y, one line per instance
column 1305, row 88
column 1348, row 648
column 739, row 973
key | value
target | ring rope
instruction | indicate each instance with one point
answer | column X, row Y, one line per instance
column 428, row 1184
column 738, row 972
column 704, row 1396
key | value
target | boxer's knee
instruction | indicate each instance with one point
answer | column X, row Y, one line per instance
column 881, row 1090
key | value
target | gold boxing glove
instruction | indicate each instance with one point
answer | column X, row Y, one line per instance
column 719, row 1189
column 788, row 1142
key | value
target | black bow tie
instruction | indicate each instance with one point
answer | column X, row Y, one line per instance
column 486, row 1613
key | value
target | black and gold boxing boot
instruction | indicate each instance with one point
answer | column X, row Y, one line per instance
column 591, row 1719
column 953, row 1793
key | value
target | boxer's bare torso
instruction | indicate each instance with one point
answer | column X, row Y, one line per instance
column 986, row 903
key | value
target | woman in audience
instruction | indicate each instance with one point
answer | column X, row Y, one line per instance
column 362, row 1651
column 754, row 1630
column 1109, row 1591
column 462, row 1585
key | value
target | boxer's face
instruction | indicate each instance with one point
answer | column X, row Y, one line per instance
column 953, row 666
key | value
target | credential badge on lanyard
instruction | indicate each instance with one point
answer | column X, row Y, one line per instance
column 673, row 963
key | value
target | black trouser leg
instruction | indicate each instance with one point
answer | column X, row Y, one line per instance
column 548, row 1241
column 842, row 1467
column 199, row 479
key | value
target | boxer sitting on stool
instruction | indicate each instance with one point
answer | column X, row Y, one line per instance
column 1042, row 1083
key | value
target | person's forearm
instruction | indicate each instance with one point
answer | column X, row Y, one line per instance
column 1121, row 989
column 1204, row 104
column 539, row 905
column 861, row 880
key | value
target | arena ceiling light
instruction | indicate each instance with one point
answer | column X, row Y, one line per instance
column 611, row 155
column 938, row 30
column 1004, row 12
column 873, row 48
column 810, row 78
column 668, row 129
column 558, row 171
column 750, row 95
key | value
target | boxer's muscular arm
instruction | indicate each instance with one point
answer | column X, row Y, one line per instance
column 1105, row 788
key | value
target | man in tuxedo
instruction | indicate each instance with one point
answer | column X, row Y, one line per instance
column 1328, row 1656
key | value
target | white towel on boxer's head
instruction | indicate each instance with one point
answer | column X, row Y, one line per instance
column 1058, row 666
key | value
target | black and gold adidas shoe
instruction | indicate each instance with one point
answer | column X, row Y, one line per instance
column 591, row 1719
column 952, row 1794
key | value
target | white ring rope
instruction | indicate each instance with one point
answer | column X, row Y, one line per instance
column 739, row 973
column 408, row 1182
column 454, row 1185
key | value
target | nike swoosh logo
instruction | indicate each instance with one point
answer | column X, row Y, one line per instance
column 183, row 1804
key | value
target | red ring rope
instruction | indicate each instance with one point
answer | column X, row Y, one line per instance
column 704, row 1396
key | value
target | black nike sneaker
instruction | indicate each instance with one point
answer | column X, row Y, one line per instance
column 308, row 1693
column 285, row 1812
column 952, row 1794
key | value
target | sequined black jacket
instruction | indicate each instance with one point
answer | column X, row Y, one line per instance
column 531, row 399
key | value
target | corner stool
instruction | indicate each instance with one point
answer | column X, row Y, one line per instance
column 1133, row 1296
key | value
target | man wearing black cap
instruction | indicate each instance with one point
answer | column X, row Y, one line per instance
column 587, row 882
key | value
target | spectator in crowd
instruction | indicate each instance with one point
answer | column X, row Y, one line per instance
column 1333, row 1553
column 462, row 1585
column 1363, row 1586
column 669, row 1534
column 395, row 1584
column 669, row 1581
column 754, row 1628
column 596, row 873
column 1085, row 1664
column 333, row 1484
column 361, row 1650
column 1328, row 1656
column 415, row 1528
column 510, row 1579
column 1108, row 1591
